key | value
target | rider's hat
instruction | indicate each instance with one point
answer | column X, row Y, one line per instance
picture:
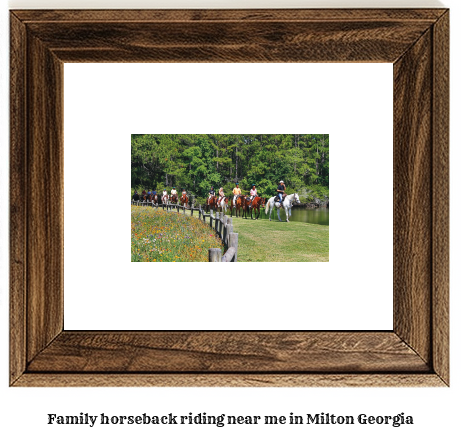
column 253, row 184
column 236, row 183
column 281, row 181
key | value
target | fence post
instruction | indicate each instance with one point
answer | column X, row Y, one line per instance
column 234, row 241
column 224, row 229
column 214, row 255
column 221, row 222
column 192, row 211
column 230, row 230
column 211, row 218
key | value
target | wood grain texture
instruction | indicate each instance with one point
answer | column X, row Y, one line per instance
column 18, row 211
column 255, row 41
column 44, row 190
column 414, row 354
column 236, row 352
column 230, row 380
column 413, row 196
column 441, row 196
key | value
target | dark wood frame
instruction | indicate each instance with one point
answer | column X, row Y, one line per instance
column 414, row 353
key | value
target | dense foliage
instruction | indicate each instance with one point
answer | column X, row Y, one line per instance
column 195, row 162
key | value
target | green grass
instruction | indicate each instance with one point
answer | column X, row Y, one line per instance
column 274, row 241
column 162, row 236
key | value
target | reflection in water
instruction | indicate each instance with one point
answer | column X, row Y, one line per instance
column 313, row 216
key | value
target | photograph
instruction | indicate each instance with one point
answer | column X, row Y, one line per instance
column 230, row 197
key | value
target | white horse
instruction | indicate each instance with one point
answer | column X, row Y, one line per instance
column 287, row 204
column 222, row 204
column 165, row 199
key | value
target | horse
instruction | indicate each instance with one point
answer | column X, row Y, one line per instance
column 245, row 206
column 223, row 204
column 165, row 199
column 155, row 199
column 238, row 204
column 287, row 204
column 212, row 203
column 136, row 197
column 256, row 204
column 174, row 199
column 184, row 200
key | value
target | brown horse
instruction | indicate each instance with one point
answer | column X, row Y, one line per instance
column 250, row 205
column 211, row 203
column 238, row 205
column 174, row 199
column 155, row 199
column 184, row 200
column 256, row 204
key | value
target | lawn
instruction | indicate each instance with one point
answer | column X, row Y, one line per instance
column 274, row 241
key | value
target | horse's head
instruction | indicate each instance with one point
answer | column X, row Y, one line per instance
column 296, row 197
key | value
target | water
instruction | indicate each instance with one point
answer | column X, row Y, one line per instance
column 313, row 216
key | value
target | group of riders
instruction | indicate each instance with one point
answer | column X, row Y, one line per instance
column 237, row 192
column 163, row 198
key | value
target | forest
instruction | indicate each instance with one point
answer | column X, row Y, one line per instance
column 197, row 162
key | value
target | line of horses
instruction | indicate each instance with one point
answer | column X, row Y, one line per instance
column 243, row 205
column 162, row 199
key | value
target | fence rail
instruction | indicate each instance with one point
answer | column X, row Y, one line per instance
column 220, row 223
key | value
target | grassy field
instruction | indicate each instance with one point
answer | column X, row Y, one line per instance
column 161, row 236
column 274, row 241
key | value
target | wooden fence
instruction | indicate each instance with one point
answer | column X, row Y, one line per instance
column 219, row 222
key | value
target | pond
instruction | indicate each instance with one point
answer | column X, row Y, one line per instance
column 314, row 216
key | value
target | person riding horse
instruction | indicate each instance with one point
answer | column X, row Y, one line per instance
column 281, row 191
column 212, row 193
column 136, row 196
column 253, row 193
column 165, row 196
column 174, row 195
column 184, row 199
column 236, row 191
column 220, row 195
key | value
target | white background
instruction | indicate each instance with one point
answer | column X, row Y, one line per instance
column 105, row 103
column 434, row 410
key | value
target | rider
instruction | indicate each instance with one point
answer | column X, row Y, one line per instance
column 164, row 195
column 236, row 191
column 184, row 193
column 253, row 193
column 149, row 193
column 212, row 193
column 173, row 191
column 280, row 191
column 221, row 194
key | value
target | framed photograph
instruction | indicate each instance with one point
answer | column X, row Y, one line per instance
column 414, row 353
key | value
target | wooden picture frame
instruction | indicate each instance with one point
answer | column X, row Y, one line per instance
column 414, row 353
